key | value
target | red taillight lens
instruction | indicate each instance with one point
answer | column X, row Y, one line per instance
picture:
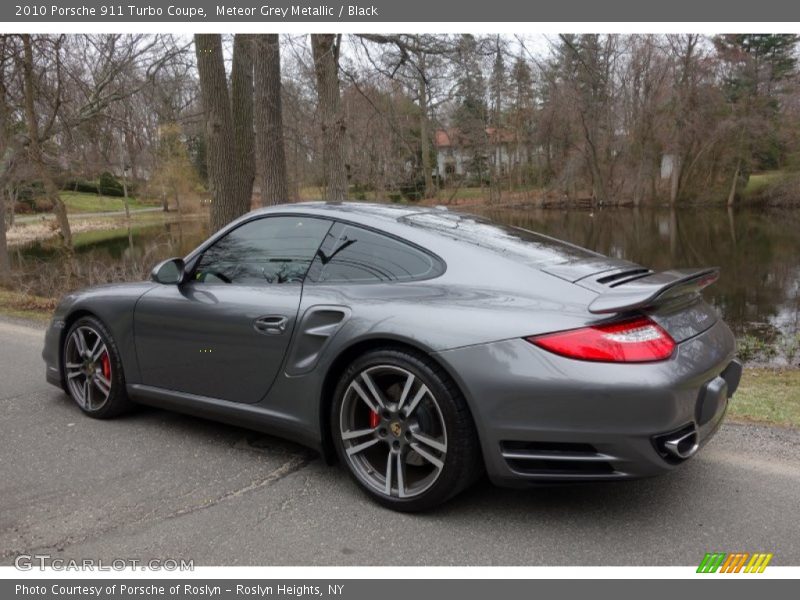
column 633, row 340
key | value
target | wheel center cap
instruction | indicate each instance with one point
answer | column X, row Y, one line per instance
column 396, row 429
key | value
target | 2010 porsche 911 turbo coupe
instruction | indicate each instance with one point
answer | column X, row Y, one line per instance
column 420, row 346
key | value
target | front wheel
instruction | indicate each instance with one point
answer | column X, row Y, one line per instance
column 403, row 429
column 93, row 369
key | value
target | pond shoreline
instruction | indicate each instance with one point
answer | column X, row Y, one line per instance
column 45, row 228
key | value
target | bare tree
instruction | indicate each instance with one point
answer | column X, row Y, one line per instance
column 588, row 63
column 242, row 114
column 35, row 152
column 6, row 155
column 325, row 49
column 424, row 118
column 644, row 96
column 269, row 120
column 230, row 196
column 412, row 60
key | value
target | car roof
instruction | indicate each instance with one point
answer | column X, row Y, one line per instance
column 355, row 211
column 437, row 227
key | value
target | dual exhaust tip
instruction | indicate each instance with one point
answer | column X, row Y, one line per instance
column 683, row 446
column 678, row 446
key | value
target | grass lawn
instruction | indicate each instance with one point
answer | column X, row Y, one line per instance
column 81, row 202
column 464, row 193
column 758, row 181
column 768, row 396
column 25, row 306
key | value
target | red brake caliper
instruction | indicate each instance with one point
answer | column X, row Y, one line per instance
column 106, row 364
column 374, row 419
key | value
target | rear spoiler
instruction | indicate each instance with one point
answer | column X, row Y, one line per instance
column 653, row 289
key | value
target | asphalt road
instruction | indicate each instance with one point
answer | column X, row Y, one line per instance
column 159, row 485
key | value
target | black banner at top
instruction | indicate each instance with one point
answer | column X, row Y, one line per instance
column 470, row 11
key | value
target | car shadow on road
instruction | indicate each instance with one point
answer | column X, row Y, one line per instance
column 617, row 499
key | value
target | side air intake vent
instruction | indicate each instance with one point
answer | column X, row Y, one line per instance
column 551, row 460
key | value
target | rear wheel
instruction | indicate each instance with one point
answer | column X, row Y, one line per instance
column 403, row 430
column 93, row 369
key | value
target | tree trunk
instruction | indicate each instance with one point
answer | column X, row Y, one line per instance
column 675, row 179
column 732, row 225
column 638, row 187
column 325, row 48
column 6, row 155
column 732, row 192
column 34, row 144
column 5, row 262
column 225, row 205
column 424, row 134
column 673, row 234
column 124, row 182
column 269, row 120
column 11, row 196
column 242, row 114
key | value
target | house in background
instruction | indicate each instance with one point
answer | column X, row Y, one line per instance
column 458, row 155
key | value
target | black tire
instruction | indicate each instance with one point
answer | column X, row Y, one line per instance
column 117, row 401
column 462, row 464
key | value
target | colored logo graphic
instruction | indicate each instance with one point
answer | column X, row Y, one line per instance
column 737, row 562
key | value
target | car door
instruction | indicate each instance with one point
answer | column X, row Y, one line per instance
column 224, row 333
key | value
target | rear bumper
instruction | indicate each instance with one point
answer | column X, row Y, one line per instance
column 542, row 417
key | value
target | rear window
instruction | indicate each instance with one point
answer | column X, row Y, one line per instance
column 514, row 242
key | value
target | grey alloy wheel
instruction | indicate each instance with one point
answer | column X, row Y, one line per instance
column 87, row 368
column 92, row 369
column 393, row 432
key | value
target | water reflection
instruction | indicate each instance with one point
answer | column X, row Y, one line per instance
column 757, row 249
column 125, row 254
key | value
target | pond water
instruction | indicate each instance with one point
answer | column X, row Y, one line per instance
column 758, row 251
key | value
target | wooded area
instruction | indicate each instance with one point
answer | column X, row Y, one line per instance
column 258, row 119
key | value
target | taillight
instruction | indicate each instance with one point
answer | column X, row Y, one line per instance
column 633, row 340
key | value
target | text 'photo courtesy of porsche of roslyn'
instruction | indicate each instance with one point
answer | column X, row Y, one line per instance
column 287, row 292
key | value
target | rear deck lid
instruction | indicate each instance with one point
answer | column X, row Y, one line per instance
column 671, row 298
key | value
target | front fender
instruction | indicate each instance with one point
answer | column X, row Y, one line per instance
column 114, row 305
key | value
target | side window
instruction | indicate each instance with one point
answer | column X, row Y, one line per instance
column 263, row 251
column 354, row 255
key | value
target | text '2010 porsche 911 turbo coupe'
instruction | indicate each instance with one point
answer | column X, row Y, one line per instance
column 419, row 346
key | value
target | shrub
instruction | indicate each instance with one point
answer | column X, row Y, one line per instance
column 789, row 345
column 107, row 184
column 42, row 204
column 751, row 348
column 110, row 185
column 22, row 208
column 414, row 190
column 28, row 191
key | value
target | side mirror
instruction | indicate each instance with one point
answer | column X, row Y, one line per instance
column 171, row 271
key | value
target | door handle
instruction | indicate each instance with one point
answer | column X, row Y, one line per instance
column 271, row 324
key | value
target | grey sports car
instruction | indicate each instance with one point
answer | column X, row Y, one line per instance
column 420, row 346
